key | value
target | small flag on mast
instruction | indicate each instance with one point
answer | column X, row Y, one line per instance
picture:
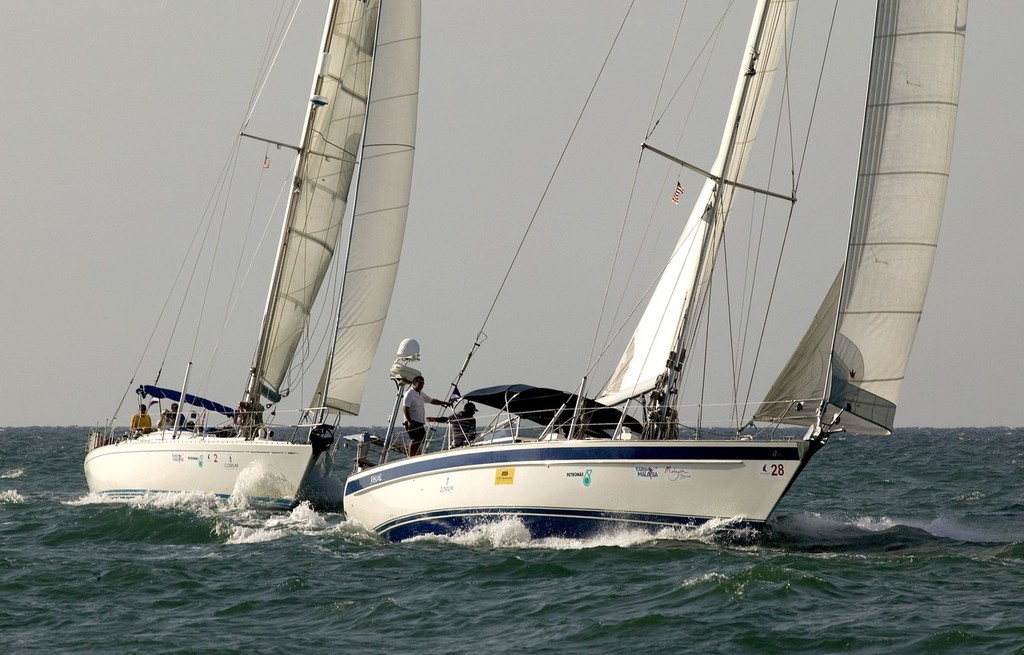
column 266, row 162
column 678, row 192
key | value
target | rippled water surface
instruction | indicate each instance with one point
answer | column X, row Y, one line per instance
column 908, row 544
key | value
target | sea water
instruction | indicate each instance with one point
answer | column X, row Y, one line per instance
column 905, row 544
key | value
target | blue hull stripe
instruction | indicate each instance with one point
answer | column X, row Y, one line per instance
column 512, row 455
column 541, row 522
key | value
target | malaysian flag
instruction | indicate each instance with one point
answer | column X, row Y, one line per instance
column 678, row 192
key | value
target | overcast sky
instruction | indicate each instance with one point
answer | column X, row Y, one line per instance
column 117, row 117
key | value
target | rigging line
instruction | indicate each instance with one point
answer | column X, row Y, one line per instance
column 224, row 193
column 611, row 270
column 664, row 73
column 771, row 297
column 234, row 290
column 747, row 293
column 612, row 333
column 726, row 197
column 712, row 40
column 728, row 200
column 558, row 163
column 255, row 98
column 192, row 245
column 817, row 90
column 796, row 182
column 285, row 187
column 787, row 98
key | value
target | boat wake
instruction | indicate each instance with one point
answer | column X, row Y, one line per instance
column 167, row 500
column 512, row 532
column 257, row 481
column 251, row 529
column 227, row 521
column 818, row 533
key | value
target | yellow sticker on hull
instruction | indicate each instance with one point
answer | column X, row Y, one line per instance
column 504, row 476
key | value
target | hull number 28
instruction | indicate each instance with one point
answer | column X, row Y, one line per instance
column 774, row 470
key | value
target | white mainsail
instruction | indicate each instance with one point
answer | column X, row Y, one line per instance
column 672, row 308
column 905, row 158
column 364, row 40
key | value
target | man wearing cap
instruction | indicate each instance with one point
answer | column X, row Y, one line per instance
column 415, row 418
column 168, row 416
column 461, row 426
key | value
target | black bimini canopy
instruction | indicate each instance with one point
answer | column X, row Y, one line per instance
column 542, row 405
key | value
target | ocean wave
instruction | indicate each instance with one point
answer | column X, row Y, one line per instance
column 11, row 497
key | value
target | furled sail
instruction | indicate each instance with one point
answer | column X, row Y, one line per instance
column 906, row 150
column 382, row 203
column 356, row 49
column 672, row 308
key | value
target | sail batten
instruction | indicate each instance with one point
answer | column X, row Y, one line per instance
column 352, row 126
column 906, row 150
column 382, row 204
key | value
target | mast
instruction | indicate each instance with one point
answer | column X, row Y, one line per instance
column 250, row 407
column 702, row 237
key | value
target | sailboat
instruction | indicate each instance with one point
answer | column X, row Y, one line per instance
column 621, row 457
column 349, row 201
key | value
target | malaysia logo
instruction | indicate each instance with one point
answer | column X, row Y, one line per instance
column 646, row 472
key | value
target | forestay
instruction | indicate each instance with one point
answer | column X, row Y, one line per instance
column 671, row 313
column 901, row 187
column 355, row 51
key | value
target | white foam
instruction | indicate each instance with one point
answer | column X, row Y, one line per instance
column 258, row 481
column 511, row 532
column 11, row 497
column 13, row 473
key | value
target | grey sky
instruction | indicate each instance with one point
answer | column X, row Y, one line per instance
column 116, row 118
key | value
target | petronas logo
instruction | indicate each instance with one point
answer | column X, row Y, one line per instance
column 586, row 478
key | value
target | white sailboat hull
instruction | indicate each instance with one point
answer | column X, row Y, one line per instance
column 266, row 472
column 575, row 488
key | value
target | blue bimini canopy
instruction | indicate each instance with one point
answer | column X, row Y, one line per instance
column 196, row 401
column 542, row 406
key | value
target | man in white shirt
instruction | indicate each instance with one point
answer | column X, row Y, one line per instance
column 415, row 417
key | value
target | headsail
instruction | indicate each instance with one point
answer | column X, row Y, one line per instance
column 382, row 203
column 672, row 310
column 905, row 158
column 356, row 49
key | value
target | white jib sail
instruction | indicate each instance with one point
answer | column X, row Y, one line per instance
column 685, row 279
column 906, row 150
column 381, row 203
column 325, row 171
